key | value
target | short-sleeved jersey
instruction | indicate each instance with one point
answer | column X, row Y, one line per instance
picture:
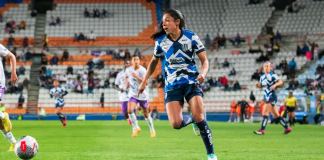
column 3, row 53
column 134, row 83
column 291, row 102
column 58, row 94
column 178, row 58
column 267, row 80
column 120, row 82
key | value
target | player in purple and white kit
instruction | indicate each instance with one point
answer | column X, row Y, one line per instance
column 5, row 123
column 121, row 86
column 135, row 75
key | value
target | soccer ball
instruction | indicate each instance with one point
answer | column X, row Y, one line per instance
column 26, row 147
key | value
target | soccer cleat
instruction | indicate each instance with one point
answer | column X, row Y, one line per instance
column 195, row 129
column 64, row 122
column 212, row 157
column 288, row 130
column 11, row 148
column 136, row 132
column 153, row 134
column 259, row 132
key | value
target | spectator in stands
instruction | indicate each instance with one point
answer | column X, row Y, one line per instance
column 78, row 85
column 86, row 13
column 299, row 51
column 1, row 18
column 44, row 60
column 11, row 41
column 224, row 82
column 25, row 43
column 69, row 70
column 278, row 36
column 305, row 49
column 222, row 41
column 127, row 54
column 92, row 36
column 54, row 60
column 292, row 67
column 91, row 83
column 232, row 72
column 226, row 63
column 236, row 86
column 28, row 55
column 262, row 58
column 21, row 70
column 104, row 13
column 22, row 25
column 283, row 65
column 58, row 21
column 76, row 37
column 293, row 84
column 96, row 13
column 52, row 22
column 81, row 37
column 65, row 56
column 237, row 40
column 21, row 101
column 33, row 13
column 102, row 100
column 207, row 41
column 256, row 75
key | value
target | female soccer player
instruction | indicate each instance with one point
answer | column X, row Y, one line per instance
column 134, row 75
column 58, row 93
column 177, row 48
column 269, row 81
column 5, row 123
column 120, row 83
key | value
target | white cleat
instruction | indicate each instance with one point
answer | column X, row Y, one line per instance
column 211, row 157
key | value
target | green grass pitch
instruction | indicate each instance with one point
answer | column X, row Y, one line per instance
column 110, row 140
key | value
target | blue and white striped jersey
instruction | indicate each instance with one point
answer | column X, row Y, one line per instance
column 267, row 80
column 178, row 64
column 58, row 93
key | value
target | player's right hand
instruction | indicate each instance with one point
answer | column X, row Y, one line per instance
column 141, row 87
column 13, row 78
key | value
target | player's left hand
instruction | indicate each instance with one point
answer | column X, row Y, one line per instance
column 273, row 87
column 134, row 75
column 201, row 78
column 14, row 78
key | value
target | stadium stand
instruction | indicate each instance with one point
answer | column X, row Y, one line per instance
column 125, row 23
column 308, row 19
column 227, row 17
column 16, row 13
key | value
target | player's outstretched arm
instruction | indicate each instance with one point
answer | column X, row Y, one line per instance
column 204, row 66
column 151, row 67
column 13, row 66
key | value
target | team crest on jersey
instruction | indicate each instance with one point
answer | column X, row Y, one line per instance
column 185, row 47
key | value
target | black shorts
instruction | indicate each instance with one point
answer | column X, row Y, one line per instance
column 291, row 109
column 185, row 92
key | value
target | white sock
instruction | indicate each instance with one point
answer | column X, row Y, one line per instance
column 133, row 119
column 149, row 121
column 10, row 137
column 2, row 115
